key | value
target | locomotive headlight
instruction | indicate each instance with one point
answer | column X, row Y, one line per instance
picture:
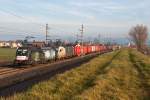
column 21, row 58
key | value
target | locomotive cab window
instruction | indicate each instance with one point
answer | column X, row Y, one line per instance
column 25, row 52
column 19, row 52
column 22, row 52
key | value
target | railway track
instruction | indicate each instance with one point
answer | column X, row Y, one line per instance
column 13, row 79
column 5, row 64
column 10, row 69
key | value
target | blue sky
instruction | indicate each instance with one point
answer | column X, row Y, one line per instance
column 110, row 18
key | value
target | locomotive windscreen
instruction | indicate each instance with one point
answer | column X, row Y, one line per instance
column 22, row 52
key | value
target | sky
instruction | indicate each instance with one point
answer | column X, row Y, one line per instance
column 109, row 18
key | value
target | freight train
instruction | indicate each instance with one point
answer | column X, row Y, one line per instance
column 40, row 55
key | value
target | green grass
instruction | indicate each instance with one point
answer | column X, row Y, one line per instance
column 121, row 75
column 7, row 54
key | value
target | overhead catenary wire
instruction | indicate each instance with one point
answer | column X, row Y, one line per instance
column 27, row 20
column 14, row 30
column 20, row 16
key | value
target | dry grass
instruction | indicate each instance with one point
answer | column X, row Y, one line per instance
column 64, row 86
column 113, row 76
column 121, row 82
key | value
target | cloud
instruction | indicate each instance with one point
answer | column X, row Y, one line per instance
column 113, row 16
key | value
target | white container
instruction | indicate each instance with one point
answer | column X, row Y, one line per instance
column 61, row 53
column 49, row 53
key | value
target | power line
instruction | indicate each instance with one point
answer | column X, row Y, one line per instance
column 15, row 30
column 99, row 37
column 19, row 16
column 23, row 18
column 77, row 36
column 81, row 30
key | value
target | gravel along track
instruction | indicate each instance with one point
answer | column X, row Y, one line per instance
column 19, row 79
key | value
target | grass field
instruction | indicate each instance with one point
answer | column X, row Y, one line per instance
column 121, row 75
column 7, row 54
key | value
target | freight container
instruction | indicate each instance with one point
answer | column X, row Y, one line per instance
column 96, row 48
column 85, row 50
column 93, row 48
column 36, row 56
column 101, row 48
column 104, row 48
column 77, row 50
column 61, row 52
column 89, row 49
column 49, row 53
column 69, row 51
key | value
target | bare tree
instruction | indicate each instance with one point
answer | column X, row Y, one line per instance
column 139, row 35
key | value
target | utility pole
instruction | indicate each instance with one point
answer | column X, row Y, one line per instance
column 46, row 34
column 99, row 37
column 81, row 30
column 77, row 37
